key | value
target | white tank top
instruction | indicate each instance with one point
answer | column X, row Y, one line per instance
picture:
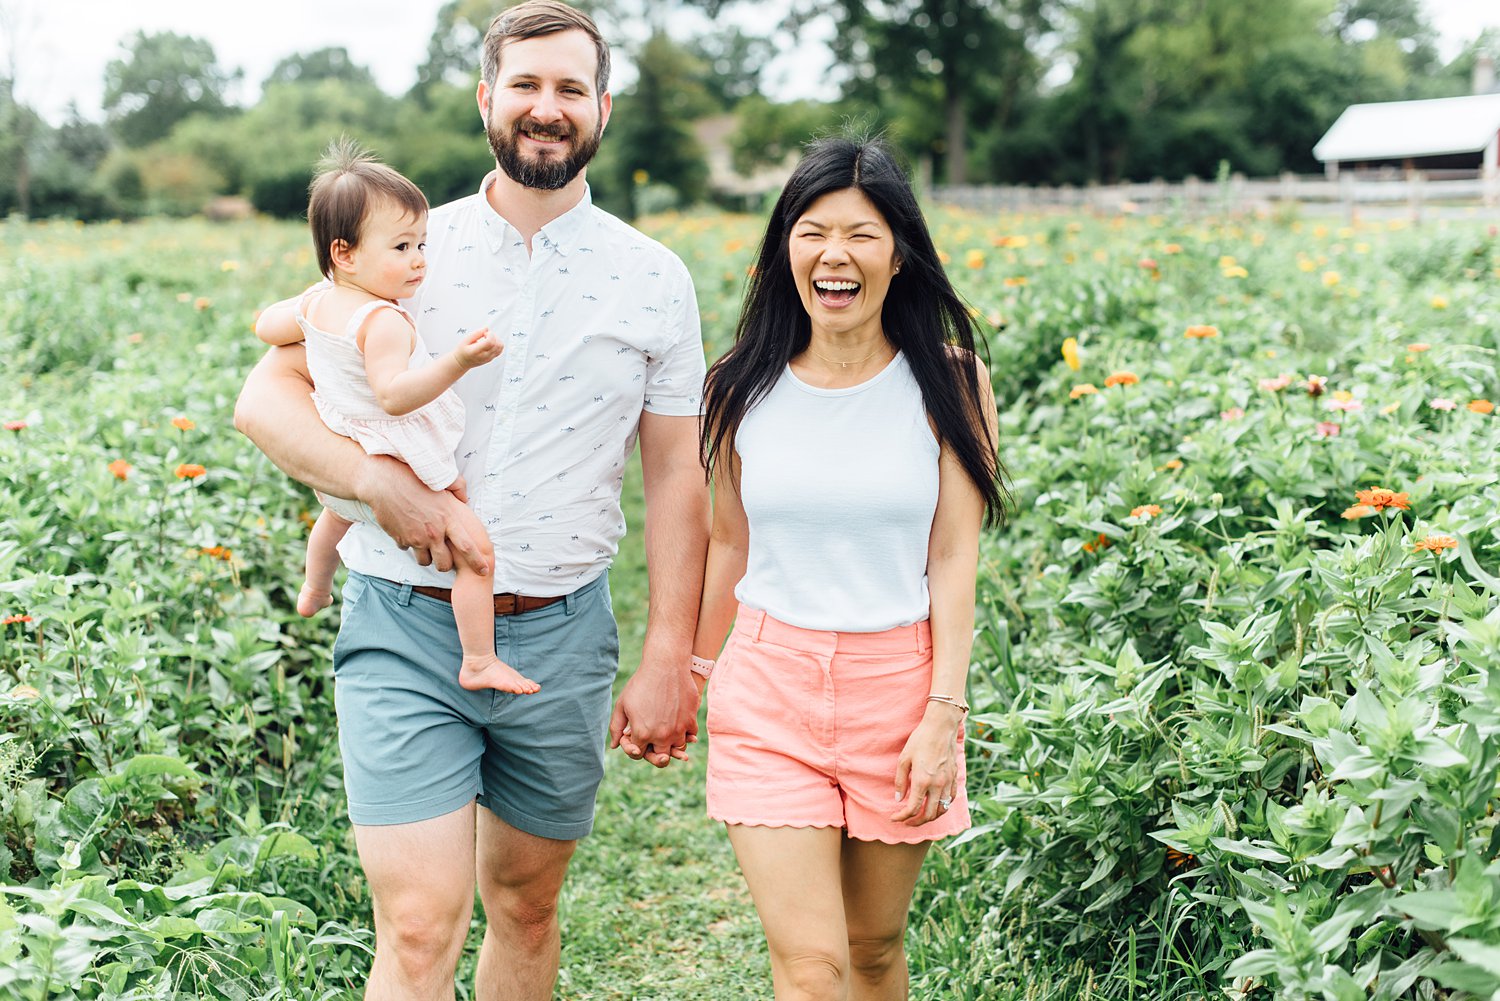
column 840, row 487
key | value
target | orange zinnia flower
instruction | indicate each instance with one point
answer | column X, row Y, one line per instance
column 217, row 552
column 189, row 471
column 1481, row 406
column 1436, row 544
column 1380, row 498
column 1198, row 331
column 1121, row 378
column 1149, row 510
column 1082, row 389
column 183, row 424
column 120, row 468
column 11, row 620
column 1358, row 511
column 15, row 425
column 1102, row 542
column 1418, row 348
column 975, row 259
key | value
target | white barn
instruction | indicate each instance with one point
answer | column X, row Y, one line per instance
column 1450, row 133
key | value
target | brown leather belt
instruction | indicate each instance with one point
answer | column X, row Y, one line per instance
column 505, row 604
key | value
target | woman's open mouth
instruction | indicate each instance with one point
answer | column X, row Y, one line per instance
column 835, row 294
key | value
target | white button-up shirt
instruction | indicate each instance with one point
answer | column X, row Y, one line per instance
column 599, row 323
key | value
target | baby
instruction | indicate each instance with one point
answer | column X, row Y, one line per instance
column 369, row 225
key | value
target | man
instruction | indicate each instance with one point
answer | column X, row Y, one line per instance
column 602, row 346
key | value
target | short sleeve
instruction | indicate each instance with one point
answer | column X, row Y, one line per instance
column 674, row 387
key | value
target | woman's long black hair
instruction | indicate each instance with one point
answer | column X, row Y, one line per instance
column 923, row 316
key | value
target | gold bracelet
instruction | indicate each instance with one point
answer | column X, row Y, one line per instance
column 952, row 700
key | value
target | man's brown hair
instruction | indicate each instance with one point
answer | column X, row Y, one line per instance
column 349, row 183
column 536, row 18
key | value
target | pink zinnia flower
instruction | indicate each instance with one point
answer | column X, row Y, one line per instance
column 1328, row 429
column 1232, row 414
column 1277, row 384
column 1442, row 403
column 1347, row 406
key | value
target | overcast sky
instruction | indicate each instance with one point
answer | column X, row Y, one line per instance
column 65, row 44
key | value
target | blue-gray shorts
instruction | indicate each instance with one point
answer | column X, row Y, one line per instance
column 416, row 745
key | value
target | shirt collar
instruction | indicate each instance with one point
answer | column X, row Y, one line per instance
column 560, row 235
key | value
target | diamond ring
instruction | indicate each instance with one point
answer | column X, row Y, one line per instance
column 945, row 802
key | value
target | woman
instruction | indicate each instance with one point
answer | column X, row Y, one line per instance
column 850, row 438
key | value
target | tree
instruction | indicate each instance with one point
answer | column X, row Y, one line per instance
column 650, row 129
column 162, row 79
column 331, row 63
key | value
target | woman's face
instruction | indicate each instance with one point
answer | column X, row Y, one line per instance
column 843, row 256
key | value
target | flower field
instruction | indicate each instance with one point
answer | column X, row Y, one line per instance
column 1237, row 679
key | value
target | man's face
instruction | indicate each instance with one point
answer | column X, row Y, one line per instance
column 544, row 116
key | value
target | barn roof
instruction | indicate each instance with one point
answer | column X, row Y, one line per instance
column 1412, row 128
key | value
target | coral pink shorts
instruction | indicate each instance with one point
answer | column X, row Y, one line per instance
column 806, row 728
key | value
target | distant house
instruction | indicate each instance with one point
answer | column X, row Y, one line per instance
column 1450, row 133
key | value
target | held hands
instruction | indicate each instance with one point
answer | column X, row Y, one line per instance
column 656, row 715
column 927, row 773
column 478, row 348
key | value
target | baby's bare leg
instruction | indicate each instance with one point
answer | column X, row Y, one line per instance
column 474, row 611
column 322, row 561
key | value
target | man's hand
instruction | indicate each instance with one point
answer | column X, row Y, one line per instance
column 656, row 716
column 430, row 523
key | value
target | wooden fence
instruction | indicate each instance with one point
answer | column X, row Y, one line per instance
column 1412, row 195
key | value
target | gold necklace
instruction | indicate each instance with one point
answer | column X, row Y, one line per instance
column 844, row 364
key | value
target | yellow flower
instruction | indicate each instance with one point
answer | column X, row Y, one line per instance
column 974, row 259
column 1331, row 278
column 1236, row 272
column 229, row 265
column 1070, row 353
column 1307, row 264
column 1439, row 302
column 1015, row 281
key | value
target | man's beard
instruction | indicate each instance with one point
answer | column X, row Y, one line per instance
column 543, row 172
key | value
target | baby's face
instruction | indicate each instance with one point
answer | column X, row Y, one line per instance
column 390, row 260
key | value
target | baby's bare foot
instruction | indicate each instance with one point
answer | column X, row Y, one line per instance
column 489, row 671
column 311, row 602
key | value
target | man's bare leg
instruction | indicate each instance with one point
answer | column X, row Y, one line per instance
column 520, row 877
column 422, row 879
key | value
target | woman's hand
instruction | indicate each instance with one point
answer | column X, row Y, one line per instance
column 927, row 773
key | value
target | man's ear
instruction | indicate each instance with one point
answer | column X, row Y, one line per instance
column 605, row 104
column 482, row 96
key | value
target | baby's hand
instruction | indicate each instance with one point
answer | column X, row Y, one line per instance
column 480, row 347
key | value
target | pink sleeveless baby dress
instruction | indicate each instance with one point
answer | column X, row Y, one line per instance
column 424, row 439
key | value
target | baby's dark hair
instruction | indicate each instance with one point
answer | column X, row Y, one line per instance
column 349, row 183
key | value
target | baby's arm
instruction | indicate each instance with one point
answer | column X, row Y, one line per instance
column 388, row 344
column 277, row 323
